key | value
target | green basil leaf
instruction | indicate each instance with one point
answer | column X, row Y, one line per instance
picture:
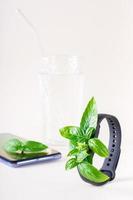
column 89, row 158
column 71, row 132
column 81, row 146
column 33, row 146
column 98, row 147
column 81, row 156
column 89, row 132
column 73, row 152
column 82, row 139
column 89, row 118
column 73, row 144
column 71, row 163
column 91, row 173
column 13, row 146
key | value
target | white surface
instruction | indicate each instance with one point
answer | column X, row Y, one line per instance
column 50, row 181
column 102, row 32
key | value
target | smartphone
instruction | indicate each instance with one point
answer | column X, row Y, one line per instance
column 17, row 160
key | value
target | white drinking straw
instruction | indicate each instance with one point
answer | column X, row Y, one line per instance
column 34, row 29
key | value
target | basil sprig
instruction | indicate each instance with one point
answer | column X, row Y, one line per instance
column 16, row 146
column 84, row 144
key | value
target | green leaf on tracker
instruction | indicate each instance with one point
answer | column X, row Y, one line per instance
column 71, row 163
column 73, row 152
column 89, row 132
column 71, row 132
column 98, row 147
column 81, row 156
column 91, row 173
column 89, row 118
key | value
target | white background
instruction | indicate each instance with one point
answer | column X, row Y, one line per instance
column 101, row 31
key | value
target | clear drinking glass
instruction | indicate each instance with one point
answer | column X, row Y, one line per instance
column 62, row 95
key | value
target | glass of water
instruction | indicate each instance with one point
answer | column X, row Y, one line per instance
column 62, row 84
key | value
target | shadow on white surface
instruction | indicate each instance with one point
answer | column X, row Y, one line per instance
column 124, row 179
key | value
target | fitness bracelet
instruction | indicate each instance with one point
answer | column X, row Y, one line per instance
column 110, row 163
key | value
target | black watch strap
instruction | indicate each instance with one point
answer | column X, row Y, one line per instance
column 110, row 164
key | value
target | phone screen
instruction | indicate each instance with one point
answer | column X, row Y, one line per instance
column 19, row 157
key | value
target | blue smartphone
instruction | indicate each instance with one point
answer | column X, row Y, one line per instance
column 17, row 160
